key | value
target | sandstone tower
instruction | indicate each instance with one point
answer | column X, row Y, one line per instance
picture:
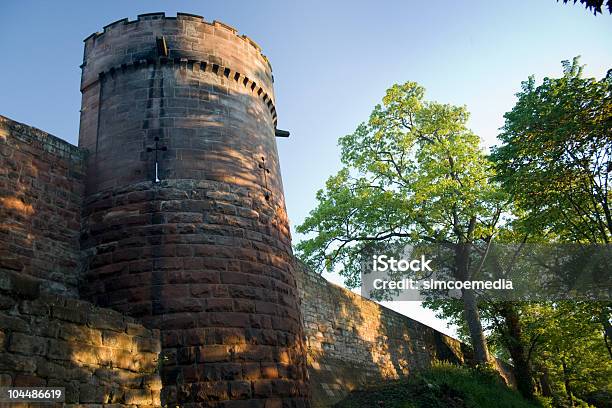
column 184, row 221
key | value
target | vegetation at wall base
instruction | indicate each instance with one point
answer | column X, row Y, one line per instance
column 443, row 386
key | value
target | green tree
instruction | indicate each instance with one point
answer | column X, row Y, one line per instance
column 412, row 172
column 556, row 156
column 501, row 318
column 556, row 161
column 565, row 345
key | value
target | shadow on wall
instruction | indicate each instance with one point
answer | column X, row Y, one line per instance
column 97, row 355
column 40, row 197
column 353, row 342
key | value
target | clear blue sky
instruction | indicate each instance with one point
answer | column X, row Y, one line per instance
column 332, row 62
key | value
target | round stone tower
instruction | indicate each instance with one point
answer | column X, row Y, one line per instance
column 185, row 224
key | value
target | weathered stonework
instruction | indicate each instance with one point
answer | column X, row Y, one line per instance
column 353, row 342
column 97, row 355
column 41, row 189
column 205, row 253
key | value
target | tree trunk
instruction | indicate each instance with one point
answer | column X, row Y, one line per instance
column 472, row 318
column 514, row 344
column 566, row 382
column 545, row 387
column 470, row 306
column 607, row 330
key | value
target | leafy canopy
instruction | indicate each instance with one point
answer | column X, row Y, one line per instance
column 567, row 333
column 413, row 171
column 556, row 156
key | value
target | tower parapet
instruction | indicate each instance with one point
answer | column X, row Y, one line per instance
column 184, row 222
column 189, row 36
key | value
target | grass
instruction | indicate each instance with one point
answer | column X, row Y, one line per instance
column 442, row 386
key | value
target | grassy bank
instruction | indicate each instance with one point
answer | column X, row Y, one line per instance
column 443, row 386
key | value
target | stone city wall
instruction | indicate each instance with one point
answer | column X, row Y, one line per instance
column 354, row 342
column 97, row 355
column 41, row 188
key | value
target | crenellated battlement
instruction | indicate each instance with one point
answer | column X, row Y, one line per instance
column 214, row 26
column 191, row 43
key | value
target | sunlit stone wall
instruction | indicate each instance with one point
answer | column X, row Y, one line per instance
column 353, row 342
column 97, row 355
column 41, row 189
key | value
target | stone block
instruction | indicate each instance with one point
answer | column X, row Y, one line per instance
column 251, row 371
column 138, row 397
column 276, row 403
column 220, row 371
column 214, row 353
column 105, row 321
column 219, row 305
column 128, row 361
column 6, row 302
column 229, row 319
column 29, row 345
column 71, row 315
column 83, row 353
column 80, row 334
column 186, row 355
column 147, row 344
column 14, row 323
column 92, row 394
column 269, row 370
column 239, row 389
column 28, row 380
column 209, row 391
column 6, row 380
column 135, row 329
column 38, row 307
column 10, row 362
column 117, row 340
column 50, row 370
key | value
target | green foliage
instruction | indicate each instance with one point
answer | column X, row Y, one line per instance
column 554, row 334
column 443, row 386
column 556, row 156
column 566, row 339
column 412, row 172
column 556, row 161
